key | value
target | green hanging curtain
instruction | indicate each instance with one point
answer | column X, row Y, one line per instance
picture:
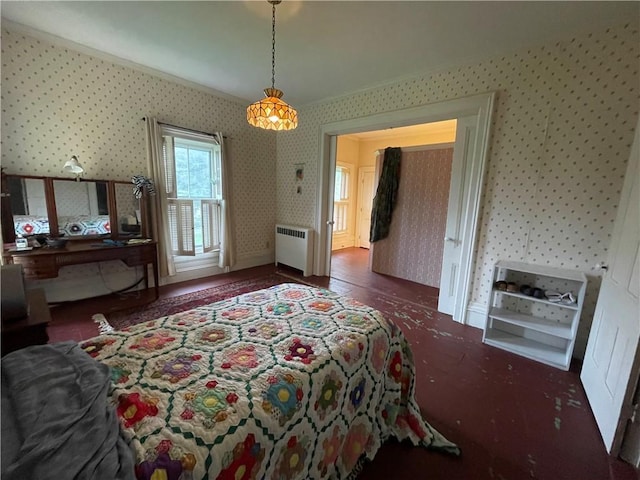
column 386, row 194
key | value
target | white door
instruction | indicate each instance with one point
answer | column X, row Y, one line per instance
column 610, row 369
column 452, row 254
column 366, row 185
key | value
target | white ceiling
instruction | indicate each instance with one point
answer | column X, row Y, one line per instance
column 324, row 49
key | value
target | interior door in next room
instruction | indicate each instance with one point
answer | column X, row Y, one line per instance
column 366, row 191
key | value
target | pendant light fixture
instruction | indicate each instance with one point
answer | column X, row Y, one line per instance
column 272, row 113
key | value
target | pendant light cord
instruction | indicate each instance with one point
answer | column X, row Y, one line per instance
column 273, row 45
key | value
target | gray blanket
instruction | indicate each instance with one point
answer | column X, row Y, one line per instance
column 56, row 419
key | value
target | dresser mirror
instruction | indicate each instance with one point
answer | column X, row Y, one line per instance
column 28, row 205
column 127, row 210
column 82, row 208
column 48, row 206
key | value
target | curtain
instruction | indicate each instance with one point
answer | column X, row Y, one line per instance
column 158, row 203
column 386, row 195
column 227, row 231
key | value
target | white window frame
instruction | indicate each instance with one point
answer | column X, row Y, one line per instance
column 185, row 254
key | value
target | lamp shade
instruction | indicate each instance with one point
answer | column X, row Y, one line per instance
column 272, row 113
column 73, row 166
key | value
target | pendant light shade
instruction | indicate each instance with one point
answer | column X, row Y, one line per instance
column 272, row 113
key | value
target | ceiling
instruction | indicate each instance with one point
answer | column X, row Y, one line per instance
column 324, row 49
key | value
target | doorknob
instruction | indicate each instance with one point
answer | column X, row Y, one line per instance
column 330, row 222
column 450, row 239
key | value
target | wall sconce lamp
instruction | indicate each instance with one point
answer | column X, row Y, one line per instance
column 73, row 166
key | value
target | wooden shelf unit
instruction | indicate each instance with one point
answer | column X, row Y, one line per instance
column 535, row 328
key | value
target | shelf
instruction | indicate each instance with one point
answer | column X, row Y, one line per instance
column 570, row 306
column 543, row 270
column 548, row 336
column 556, row 357
column 538, row 324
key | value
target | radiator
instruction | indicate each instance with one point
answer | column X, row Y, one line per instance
column 294, row 247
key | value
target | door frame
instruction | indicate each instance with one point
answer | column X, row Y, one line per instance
column 479, row 105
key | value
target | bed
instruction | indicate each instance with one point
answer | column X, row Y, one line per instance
column 287, row 382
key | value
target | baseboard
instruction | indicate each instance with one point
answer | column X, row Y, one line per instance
column 254, row 259
column 477, row 315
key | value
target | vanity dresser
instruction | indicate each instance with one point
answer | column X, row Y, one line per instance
column 94, row 221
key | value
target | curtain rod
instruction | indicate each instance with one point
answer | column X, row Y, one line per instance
column 184, row 128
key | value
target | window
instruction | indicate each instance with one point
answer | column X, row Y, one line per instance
column 341, row 201
column 193, row 194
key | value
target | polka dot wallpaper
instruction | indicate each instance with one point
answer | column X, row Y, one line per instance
column 57, row 102
column 561, row 135
column 75, row 198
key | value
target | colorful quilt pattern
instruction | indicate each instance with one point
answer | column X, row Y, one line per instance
column 70, row 226
column 84, row 225
column 26, row 225
column 290, row 382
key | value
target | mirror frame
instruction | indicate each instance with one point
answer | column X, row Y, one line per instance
column 8, row 225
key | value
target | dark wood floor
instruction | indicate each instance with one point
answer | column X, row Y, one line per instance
column 512, row 417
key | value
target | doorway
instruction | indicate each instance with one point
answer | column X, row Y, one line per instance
column 477, row 110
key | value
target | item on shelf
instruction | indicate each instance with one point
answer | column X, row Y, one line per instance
column 21, row 243
column 500, row 285
column 114, row 243
column 537, row 293
column 57, row 242
column 512, row 287
column 526, row 290
column 557, row 297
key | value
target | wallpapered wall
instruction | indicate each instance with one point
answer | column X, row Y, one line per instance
column 57, row 102
column 561, row 136
column 76, row 198
column 413, row 249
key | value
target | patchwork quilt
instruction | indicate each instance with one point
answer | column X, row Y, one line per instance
column 26, row 225
column 287, row 382
column 84, row 225
column 67, row 225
